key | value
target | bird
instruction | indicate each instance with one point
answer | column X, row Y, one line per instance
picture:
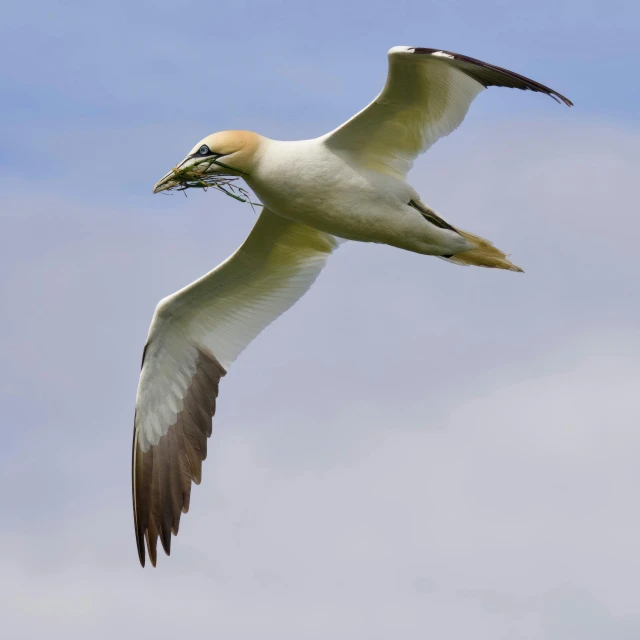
column 349, row 184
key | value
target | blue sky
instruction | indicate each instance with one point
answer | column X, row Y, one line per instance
column 127, row 70
column 469, row 465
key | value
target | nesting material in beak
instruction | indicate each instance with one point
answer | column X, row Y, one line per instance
column 202, row 174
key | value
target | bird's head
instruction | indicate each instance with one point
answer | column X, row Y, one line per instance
column 215, row 159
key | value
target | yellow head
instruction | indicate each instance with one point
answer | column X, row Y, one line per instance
column 226, row 153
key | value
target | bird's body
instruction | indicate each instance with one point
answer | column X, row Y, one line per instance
column 349, row 184
column 308, row 182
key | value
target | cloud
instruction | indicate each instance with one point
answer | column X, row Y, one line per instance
column 510, row 513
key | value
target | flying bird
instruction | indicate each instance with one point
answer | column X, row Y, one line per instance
column 349, row 184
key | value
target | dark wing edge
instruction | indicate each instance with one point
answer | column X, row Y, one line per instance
column 490, row 75
column 161, row 477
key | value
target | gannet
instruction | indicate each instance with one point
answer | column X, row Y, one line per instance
column 346, row 185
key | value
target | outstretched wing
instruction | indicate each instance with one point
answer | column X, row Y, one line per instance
column 427, row 95
column 195, row 335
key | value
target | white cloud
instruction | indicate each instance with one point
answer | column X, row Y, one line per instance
column 510, row 514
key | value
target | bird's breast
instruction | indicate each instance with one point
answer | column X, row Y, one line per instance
column 307, row 183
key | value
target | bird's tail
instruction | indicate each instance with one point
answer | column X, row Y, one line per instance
column 483, row 255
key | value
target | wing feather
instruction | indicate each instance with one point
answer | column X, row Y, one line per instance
column 426, row 96
column 195, row 335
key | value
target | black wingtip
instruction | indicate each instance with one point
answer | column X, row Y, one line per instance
column 559, row 98
column 521, row 82
column 136, row 526
column 162, row 475
column 140, row 543
column 165, row 540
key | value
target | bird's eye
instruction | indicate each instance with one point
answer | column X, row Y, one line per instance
column 203, row 150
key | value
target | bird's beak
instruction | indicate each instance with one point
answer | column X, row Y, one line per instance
column 191, row 171
column 165, row 182
column 170, row 179
column 195, row 172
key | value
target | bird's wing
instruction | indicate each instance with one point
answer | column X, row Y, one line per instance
column 427, row 95
column 194, row 336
